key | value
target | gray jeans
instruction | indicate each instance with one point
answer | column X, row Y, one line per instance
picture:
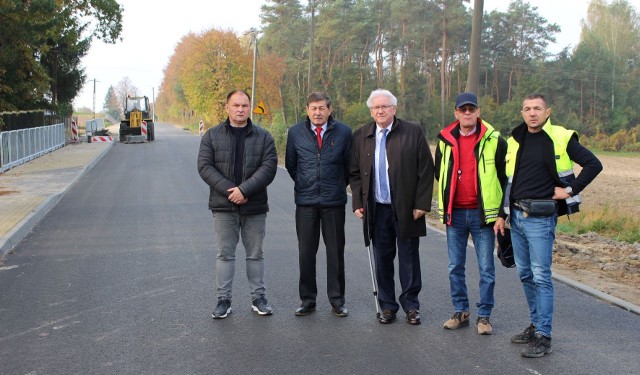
column 228, row 227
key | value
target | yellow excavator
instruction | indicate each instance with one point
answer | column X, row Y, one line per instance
column 136, row 112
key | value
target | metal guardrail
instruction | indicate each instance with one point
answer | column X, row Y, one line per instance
column 20, row 146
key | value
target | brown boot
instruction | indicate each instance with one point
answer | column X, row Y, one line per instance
column 459, row 319
column 484, row 325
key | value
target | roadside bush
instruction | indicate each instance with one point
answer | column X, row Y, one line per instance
column 622, row 140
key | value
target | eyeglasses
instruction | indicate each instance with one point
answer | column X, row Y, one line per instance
column 382, row 107
column 467, row 108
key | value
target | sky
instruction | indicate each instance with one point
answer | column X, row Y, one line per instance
column 151, row 31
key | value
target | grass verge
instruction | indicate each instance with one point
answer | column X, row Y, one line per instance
column 607, row 222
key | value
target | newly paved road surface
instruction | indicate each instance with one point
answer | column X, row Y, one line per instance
column 119, row 278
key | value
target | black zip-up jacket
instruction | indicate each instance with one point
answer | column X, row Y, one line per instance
column 321, row 176
column 579, row 154
column 216, row 167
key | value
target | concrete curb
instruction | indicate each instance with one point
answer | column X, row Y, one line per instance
column 17, row 233
column 598, row 294
column 579, row 286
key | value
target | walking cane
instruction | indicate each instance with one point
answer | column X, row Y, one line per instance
column 372, row 269
column 373, row 281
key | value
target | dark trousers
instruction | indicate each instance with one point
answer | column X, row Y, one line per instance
column 385, row 239
column 310, row 220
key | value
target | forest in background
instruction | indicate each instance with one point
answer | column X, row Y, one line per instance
column 419, row 50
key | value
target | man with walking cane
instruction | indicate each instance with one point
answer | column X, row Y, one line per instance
column 391, row 178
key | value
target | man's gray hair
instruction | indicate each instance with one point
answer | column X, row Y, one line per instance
column 382, row 92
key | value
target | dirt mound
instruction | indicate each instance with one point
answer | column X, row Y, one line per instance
column 609, row 266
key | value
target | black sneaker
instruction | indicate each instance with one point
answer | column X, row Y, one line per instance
column 527, row 336
column 222, row 309
column 261, row 306
column 537, row 348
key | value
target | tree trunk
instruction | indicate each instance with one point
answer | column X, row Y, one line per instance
column 486, row 78
column 312, row 3
column 473, row 77
column 403, row 53
column 510, row 84
column 582, row 102
column 362, row 56
column 379, row 60
column 442, row 63
column 284, row 113
column 496, row 84
column 459, row 70
column 593, row 105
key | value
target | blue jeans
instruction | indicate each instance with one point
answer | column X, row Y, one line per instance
column 228, row 227
column 532, row 239
column 463, row 223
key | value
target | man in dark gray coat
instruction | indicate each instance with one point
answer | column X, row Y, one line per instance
column 391, row 178
column 317, row 159
column 238, row 160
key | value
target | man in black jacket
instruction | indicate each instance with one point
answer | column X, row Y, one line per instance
column 539, row 167
column 317, row 159
column 238, row 160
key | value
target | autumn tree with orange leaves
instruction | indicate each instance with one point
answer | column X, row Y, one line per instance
column 205, row 67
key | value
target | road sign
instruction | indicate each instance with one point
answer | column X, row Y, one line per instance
column 260, row 109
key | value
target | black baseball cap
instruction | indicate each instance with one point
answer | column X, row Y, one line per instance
column 466, row 98
column 505, row 249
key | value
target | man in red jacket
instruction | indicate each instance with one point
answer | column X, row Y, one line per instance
column 470, row 169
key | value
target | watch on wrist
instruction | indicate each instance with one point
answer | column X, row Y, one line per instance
column 569, row 191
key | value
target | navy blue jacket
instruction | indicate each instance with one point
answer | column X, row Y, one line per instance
column 321, row 176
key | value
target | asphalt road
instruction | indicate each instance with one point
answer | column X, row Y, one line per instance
column 119, row 278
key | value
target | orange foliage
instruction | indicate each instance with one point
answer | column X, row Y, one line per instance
column 205, row 67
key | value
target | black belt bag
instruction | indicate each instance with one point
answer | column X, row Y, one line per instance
column 537, row 207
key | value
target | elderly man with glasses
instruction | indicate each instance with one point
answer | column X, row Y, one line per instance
column 391, row 178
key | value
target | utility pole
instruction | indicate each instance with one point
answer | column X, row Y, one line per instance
column 254, row 41
column 94, row 97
